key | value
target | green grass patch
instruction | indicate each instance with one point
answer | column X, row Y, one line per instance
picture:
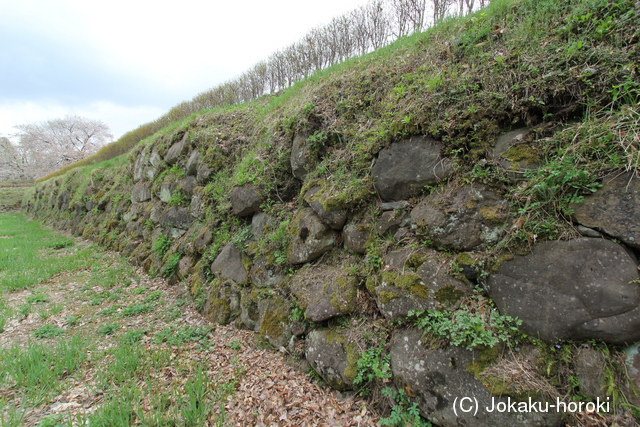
column 37, row 369
column 176, row 335
column 136, row 309
column 25, row 253
column 48, row 331
column 107, row 329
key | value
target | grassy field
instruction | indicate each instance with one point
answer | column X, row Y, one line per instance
column 11, row 197
column 86, row 340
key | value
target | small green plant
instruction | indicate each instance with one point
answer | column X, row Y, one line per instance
column 403, row 412
column 171, row 265
column 140, row 290
column 178, row 198
column 133, row 336
column 60, row 243
column 136, row 309
column 72, row 320
column 24, row 310
column 235, row 345
column 108, row 311
column 161, row 245
column 96, row 301
column 53, row 420
column 38, row 298
column 52, row 310
column 177, row 335
column 153, row 296
column 107, row 329
column 297, row 314
column 194, row 411
column 12, row 415
column 371, row 366
column 462, row 328
column 48, row 331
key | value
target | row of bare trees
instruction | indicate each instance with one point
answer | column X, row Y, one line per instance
column 47, row 146
column 355, row 33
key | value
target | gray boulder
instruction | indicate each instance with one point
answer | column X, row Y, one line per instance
column 203, row 173
column 399, row 289
column 177, row 150
column 300, row 157
column 392, row 221
column 146, row 165
column 590, row 372
column 514, row 153
column 197, row 205
column 261, row 225
column 141, row 192
column 176, row 217
column 324, row 292
column 578, row 289
column 356, row 234
column 265, row 276
column 230, row 265
column 245, row 200
column 249, row 314
column 632, row 363
column 461, row 218
column 333, row 218
column 438, row 379
column 222, row 303
column 273, row 320
column 614, row 209
column 404, row 168
column 193, row 162
column 332, row 357
column 310, row 237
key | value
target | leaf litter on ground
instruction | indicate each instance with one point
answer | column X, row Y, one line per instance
column 175, row 369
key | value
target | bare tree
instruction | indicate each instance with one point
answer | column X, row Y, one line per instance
column 440, row 8
column 408, row 16
column 47, row 146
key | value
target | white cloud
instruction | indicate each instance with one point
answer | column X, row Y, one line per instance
column 127, row 62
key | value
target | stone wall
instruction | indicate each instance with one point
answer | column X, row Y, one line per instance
column 315, row 274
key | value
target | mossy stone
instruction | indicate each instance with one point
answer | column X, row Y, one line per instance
column 409, row 282
column 522, row 153
column 274, row 318
column 448, row 295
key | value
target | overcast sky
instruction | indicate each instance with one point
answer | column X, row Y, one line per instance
column 128, row 62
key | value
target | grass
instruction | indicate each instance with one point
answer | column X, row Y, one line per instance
column 11, row 198
column 114, row 356
column 31, row 254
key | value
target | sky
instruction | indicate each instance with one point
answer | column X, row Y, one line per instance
column 127, row 62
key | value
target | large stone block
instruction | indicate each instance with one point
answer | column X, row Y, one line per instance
column 439, row 378
column 614, row 209
column 230, row 265
column 461, row 218
column 311, row 237
column 324, row 292
column 579, row 289
column 332, row 357
column 245, row 200
column 404, row 168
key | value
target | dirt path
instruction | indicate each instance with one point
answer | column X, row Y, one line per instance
column 262, row 389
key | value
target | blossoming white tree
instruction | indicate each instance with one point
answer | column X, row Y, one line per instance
column 47, row 146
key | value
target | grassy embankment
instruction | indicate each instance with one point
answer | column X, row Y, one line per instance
column 84, row 340
column 567, row 69
column 12, row 193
